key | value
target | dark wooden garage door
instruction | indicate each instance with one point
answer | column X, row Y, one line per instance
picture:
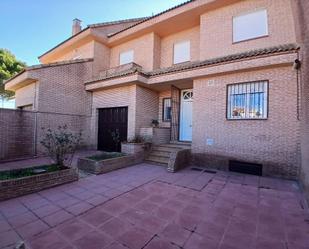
column 113, row 123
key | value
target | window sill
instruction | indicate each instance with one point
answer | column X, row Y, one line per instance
column 240, row 119
column 250, row 39
column 180, row 63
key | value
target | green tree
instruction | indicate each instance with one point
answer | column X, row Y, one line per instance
column 9, row 66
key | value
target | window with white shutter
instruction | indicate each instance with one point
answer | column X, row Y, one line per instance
column 126, row 57
column 249, row 26
column 182, row 52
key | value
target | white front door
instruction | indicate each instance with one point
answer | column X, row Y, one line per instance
column 185, row 133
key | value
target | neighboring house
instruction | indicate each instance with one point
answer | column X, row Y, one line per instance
column 219, row 74
column 7, row 103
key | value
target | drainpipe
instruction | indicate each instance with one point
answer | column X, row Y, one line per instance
column 35, row 133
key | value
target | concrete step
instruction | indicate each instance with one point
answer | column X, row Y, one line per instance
column 159, row 159
column 156, row 163
column 160, row 153
column 176, row 146
column 165, row 148
column 181, row 143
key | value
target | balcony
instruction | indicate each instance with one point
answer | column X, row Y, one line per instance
column 120, row 71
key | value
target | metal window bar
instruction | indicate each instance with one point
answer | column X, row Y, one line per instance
column 247, row 100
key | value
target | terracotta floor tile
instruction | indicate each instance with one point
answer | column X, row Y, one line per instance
column 187, row 221
column 48, row 240
column 4, row 226
column 159, row 243
column 67, row 202
column 210, row 230
column 176, row 234
column 57, row 218
column 92, row 240
column 97, row 200
column 197, row 241
column 135, row 238
column 79, row 208
column 96, row 217
column 8, row 238
column 46, row 210
column 266, row 243
column 22, row 219
column 73, row 230
column 116, row 227
column 32, row 229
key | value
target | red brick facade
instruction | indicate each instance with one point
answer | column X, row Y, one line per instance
column 301, row 15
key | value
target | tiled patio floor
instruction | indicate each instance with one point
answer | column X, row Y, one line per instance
column 145, row 207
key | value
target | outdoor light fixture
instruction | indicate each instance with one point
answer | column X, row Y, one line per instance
column 297, row 64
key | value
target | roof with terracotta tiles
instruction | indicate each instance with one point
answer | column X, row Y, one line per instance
column 139, row 20
column 197, row 64
column 95, row 25
column 38, row 66
column 151, row 17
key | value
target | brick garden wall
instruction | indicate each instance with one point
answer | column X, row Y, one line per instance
column 16, row 133
column 21, row 131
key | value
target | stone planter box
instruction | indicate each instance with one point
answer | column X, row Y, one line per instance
column 135, row 148
column 156, row 135
column 107, row 165
column 25, row 185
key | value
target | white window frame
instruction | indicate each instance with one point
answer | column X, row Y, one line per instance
column 186, row 56
column 166, row 103
column 242, row 24
column 246, row 89
column 126, row 57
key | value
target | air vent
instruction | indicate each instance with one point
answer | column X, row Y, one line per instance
column 196, row 169
column 210, row 171
column 246, row 167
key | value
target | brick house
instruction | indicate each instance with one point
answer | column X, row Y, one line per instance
column 221, row 75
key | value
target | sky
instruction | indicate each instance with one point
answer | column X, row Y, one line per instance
column 28, row 28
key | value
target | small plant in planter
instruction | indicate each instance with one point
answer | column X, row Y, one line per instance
column 115, row 136
column 154, row 123
column 136, row 140
column 61, row 144
column 135, row 145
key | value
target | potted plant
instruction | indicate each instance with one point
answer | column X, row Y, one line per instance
column 154, row 123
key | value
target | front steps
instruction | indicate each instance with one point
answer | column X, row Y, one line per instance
column 161, row 154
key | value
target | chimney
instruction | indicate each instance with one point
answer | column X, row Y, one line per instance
column 76, row 27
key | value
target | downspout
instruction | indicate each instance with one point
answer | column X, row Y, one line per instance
column 298, row 81
column 35, row 120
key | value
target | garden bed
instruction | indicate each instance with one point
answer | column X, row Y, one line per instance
column 106, row 155
column 108, row 161
column 19, row 182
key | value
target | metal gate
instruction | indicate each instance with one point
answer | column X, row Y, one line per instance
column 112, row 128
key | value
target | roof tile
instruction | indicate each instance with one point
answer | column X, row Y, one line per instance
column 196, row 64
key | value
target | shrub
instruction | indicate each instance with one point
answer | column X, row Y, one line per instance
column 61, row 144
